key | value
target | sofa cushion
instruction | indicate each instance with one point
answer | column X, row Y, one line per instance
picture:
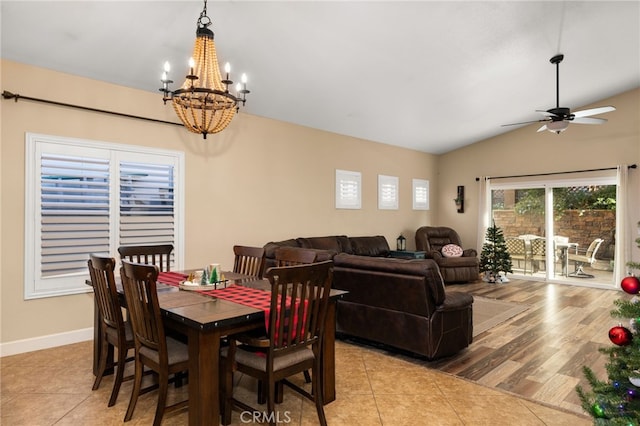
column 452, row 250
column 331, row 243
column 370, row 246
column 270, row 248
column 424, row 268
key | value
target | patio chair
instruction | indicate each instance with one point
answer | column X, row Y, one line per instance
column 518, row 251
column 589, row 257
column 538, row 253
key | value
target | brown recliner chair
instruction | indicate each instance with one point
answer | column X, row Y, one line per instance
column 465, row 268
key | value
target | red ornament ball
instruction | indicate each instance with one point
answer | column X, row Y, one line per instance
column 630, row 284
column 620, row 335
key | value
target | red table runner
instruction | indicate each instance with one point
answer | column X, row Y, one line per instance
column 252, row 297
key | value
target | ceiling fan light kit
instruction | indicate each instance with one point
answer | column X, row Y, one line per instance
column 557, row 126
column 557, row 119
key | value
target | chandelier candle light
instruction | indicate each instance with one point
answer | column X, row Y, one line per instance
column 204, row 103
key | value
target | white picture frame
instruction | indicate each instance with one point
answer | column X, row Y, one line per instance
column 348, row 189
column 387, row 192
column 420, row 190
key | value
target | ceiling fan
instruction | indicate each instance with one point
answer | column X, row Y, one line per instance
column 557, row 119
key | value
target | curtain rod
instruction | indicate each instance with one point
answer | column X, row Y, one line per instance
column 632, row 166
column 9, row 95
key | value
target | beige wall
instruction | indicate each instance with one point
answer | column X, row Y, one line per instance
column 260, row 180
column 524, row 151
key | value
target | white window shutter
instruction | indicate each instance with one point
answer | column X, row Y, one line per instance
column 74, row 212
column 86, row 197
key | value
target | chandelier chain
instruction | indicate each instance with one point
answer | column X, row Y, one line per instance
column 203, row 15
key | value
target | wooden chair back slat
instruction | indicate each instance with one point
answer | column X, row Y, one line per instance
column 299, row 300
column 139, row 282
column 249, row 260
column 104, row 287
column 159, row 255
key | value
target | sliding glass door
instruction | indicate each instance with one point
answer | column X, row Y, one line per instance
column 558, row 230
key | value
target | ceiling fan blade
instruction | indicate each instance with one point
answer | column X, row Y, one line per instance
column 593, row 111
column 524, row 122
column 546, row 113
column 589, row 120
column 542, row 129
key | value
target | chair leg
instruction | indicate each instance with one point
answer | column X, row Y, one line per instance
column 271, row 403
column 122, row 360
column 137, row 383
column 307, row 376
column 316, row 391
column 162, row 397
column 102, row 365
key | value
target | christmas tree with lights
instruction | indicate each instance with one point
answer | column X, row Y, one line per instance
column 616, row 401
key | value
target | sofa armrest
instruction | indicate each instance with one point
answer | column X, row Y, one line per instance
column 455, row 300
column 470, row 253
column 434, row 254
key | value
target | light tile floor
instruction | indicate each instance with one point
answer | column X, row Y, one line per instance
column 53, row 387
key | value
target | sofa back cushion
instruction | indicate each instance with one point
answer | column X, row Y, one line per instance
column 270, row 248
column 411, row 285
column 369, row 246
column 337, row 244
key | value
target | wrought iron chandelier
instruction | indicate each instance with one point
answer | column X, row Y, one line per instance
column 204, row 103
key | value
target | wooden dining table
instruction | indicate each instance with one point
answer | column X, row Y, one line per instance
column 205, row 321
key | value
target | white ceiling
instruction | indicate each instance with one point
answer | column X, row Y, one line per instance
column 430, row 76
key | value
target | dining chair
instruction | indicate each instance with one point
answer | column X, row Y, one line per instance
column 296, row 321
column 158, row 352
column 114, row 331
column 290, row 256
column 249, row 260
column 159, row 255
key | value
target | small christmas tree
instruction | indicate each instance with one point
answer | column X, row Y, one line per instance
column 616, row 401
column 494, row 257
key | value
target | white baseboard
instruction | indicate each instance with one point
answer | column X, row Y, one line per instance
column 45, row 342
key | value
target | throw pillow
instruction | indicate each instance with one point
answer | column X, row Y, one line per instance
column 452, row 250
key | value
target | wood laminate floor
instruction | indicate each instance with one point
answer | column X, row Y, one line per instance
column 539, row 354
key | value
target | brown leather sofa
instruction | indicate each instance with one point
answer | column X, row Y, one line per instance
column 465, row 268
column 329, row 246
column 397, row 302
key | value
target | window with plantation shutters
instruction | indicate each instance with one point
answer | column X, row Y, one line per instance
column 74, row 211
column 348, row 189
column 146, row 204
column 86, row 197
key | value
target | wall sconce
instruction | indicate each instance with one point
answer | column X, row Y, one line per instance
column 401, row 243
column 459, row 200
